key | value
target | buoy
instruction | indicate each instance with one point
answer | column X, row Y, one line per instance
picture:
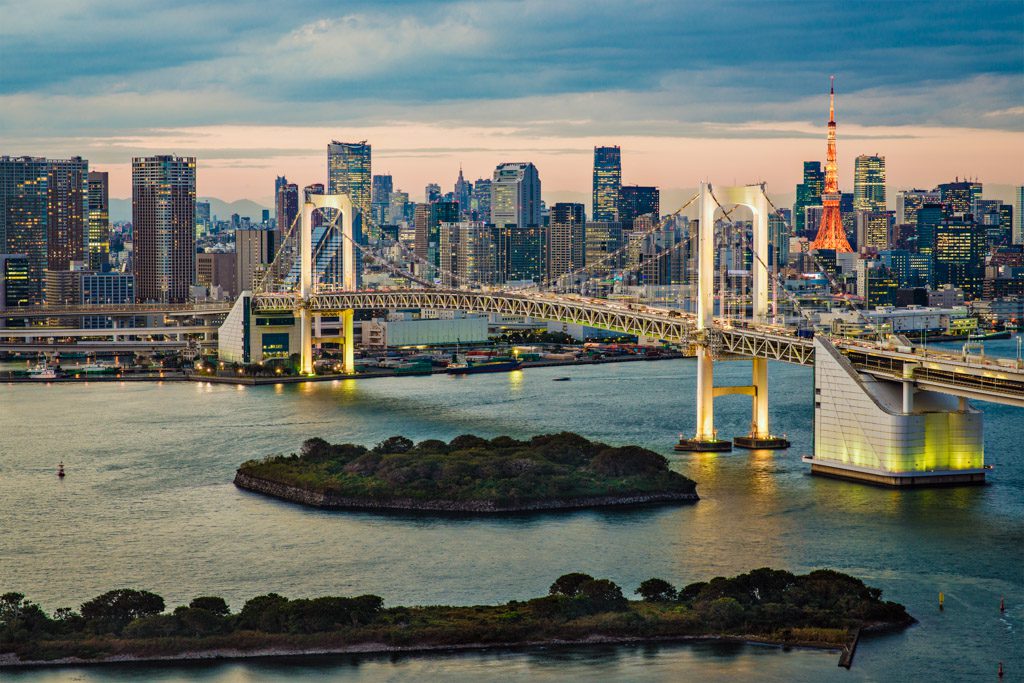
column 941, row 599
column 1002, row 605
column 60, row 470
column 1000, row 669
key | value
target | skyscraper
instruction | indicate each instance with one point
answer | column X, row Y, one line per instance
column 463, row 194
column 869, row 183
column 99, row 220
column 808, row 193
column 909, row 201
column 519, row 252
column 467, row 253
column 874, row 229
column 515, row 195
column 286, row 204
column 566, row 239
column 831, row 234
column 607, row 183
column 480, row 203
column 254, row 250
column 380, row 199
column 959, row 255
column 163, row 220
column 428, row 219
column 307, row 192
column 959, row 196
column 348, row 172
column 43, row 214
column 928, row 218
column 638, row 200
column 1018, row 223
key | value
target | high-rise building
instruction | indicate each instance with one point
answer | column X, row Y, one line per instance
column 163, row 222
column 515, row 195
column 959, row 196
column 309, row 191
column 869, row 183
column 1018, row 224
column 68, row 198
column 519, row 252
column 959, row 255
column 638, row 200
column 566, row 240
column 218, row 270
column 808, row 193
column 928, row 218
column 909, row 201
column 255, row 250
column 23, row 215
column 427, row 240
column 203, row 222
column 99, row 220
column 397, row 204
column 106, row 288
column 467, row 253
column 16, row 288
column 348, row 172
column 380, row 199
column 874, row 229
column 480, row 203
column 463, row 194
column 602, row 240
column 286, row 204
column 432, row 193
column 607, row 183
column 831, row 235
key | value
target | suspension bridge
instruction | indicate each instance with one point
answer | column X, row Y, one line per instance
column 885, row 410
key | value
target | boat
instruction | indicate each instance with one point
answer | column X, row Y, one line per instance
column 44, row 372
column 561, row 379
column 475, row 367
column 60, row 470
column 417, row 367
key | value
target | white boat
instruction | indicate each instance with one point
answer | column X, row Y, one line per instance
column 44, row 372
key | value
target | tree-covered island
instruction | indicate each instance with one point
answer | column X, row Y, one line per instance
column 819, row 609
column 469, row 474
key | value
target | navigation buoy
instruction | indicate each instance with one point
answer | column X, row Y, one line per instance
column 60, row 470
column 1002, row 605
column 942, row 599
column 1000, row 669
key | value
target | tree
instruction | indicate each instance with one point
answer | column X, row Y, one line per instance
column 723, row 613
column 264, row 613
column 569, row 584
column 602, row 595
column 211, row 603
column 657, row 590
column 112, row 611
column 394, row 444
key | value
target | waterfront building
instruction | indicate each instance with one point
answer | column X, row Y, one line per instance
column 286, row 204
column 254, row 252
column 515, row 195
column 99, row 220
column 638, row 200
column 348, row 172
column 959, row 256
column 607, row 183
column 808, row 193
column 869, row 183
column 15, row 282
column 163, row 220
column 218, row 270
column 566, row 239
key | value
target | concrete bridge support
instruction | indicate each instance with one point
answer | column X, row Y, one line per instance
column 890, row 432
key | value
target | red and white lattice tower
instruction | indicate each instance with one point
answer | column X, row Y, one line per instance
column 830, row 233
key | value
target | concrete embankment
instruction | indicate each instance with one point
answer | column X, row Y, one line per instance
column 333, row 501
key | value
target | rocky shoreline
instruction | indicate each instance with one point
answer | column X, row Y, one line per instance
column 332, row 501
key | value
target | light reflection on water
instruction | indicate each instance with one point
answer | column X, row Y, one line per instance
column 148, row 503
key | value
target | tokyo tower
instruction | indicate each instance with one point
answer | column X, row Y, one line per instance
column 830, row 233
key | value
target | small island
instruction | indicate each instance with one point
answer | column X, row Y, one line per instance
column 824, row 609
column 470, row 474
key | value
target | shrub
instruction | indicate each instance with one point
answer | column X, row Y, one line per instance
column 602, row 595
column 465, row 441
column 628, row 461
column 264, row 613
column 394, row 444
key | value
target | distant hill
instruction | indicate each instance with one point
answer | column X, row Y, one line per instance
column 121, row 209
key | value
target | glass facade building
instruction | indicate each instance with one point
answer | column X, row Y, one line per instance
column 607, row 183
column 164, row 235
column 869, row 183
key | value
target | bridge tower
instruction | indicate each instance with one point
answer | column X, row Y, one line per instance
column 314, row 202
column 706, row 437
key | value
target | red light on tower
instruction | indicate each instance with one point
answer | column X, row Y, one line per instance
column 830, row 233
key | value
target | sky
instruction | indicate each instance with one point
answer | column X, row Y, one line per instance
column 727, row 91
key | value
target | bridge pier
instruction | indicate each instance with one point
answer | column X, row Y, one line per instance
column 348, row 345
column 305, row 341
column 760, row 437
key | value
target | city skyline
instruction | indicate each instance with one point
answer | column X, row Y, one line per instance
column 684, row 106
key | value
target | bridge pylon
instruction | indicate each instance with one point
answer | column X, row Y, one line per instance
column 342, row 203
column 706, row 436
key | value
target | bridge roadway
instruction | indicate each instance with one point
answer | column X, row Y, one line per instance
column 120, row 310
column 982, row 379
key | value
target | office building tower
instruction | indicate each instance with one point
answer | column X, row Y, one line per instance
column 99, row 220
column 467, row 253
column 203, row 222
column 515, row 195
column 480, row 202
column 909, row 201
column 874, row 229
column 255, row 250
column 959, row 255
column 607, row 183
column 427, row 240
column 163, row 220
column 67, row 237
column 286, row 205
column 869, row 183
column 1006, row 221
column 23, row 215
column 778, row 241
column 397, row 203
column 309, row 191
column 218, row 270
column 519, row 252
column 958, row 197
column 1018, row 223
column 602, row 239
column 928, row 218
column 463, row 194
column 808, row 193
column 380, row 199
column 107, row 288
column 566, row 240
column 432, row 193
column 16, row 287
column 638, row 200
column 348, row 172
